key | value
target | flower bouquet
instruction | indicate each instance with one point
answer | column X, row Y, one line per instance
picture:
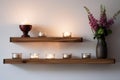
column 101, row 27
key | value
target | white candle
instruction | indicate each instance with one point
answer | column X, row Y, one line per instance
column 16, row 55
column 41, row 34
column 50, row 56
column 34, row 56
column 25, row 22
column 67, row 34
column 67, row 56
column 86, row 55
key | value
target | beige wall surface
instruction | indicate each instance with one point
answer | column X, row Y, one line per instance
column 53, row 17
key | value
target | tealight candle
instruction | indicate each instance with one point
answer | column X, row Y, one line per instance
column 67, row 56
column 86, row 55
column 41, row 34
column 34, row 56
column 50, row 56
column 67, row 34
column 16, row 55
column 25, row 22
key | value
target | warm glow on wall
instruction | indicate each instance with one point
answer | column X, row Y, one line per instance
column 25, row 22
column 20, row 12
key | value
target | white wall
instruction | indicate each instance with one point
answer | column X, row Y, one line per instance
column 54, row 17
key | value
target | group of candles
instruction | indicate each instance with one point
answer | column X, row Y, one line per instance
column 49, row 56
column 36, row 56
column 65, row 34
column 26, row 27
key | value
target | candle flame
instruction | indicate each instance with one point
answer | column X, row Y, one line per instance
column 25, row 22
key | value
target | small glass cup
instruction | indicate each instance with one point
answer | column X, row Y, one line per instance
column 67, row 34
column 67, row 56
column 41, row 34
column 34, row 56
column 86, row 55
column 50, row 56
column 16, row 55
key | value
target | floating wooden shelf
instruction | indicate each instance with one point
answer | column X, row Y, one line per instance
column 59, row 61
column 53, row 61
column 45, row 39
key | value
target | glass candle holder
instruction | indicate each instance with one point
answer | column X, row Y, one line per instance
column 67, row 56
column 67, row 34
column 34, row 56
column 86, row 55
column 41, row 34
column 50, row 56
column 16, row 55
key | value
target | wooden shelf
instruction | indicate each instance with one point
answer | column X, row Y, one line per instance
column 46, row 39
column 53, row 61
column 59, row 61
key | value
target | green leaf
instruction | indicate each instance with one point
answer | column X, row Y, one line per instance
column 100, row 31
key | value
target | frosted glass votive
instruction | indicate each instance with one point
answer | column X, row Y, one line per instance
column 50, row 56
column 41, row 34
column 67, row 56
column 67, row 34
column 16, row 55
column 86, row 55
column 34, row 55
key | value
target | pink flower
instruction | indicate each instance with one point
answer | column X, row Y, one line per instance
column 93, row 22
column 103, row 19
column 110, row 22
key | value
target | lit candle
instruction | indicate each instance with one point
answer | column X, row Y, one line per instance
column 34, row 56
column 50, row 56
column 25, row 22
column 86, row 55
column 67, row 34
column 41, row 34
column 16, row 55
column 25, row 27
column 67, row 56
